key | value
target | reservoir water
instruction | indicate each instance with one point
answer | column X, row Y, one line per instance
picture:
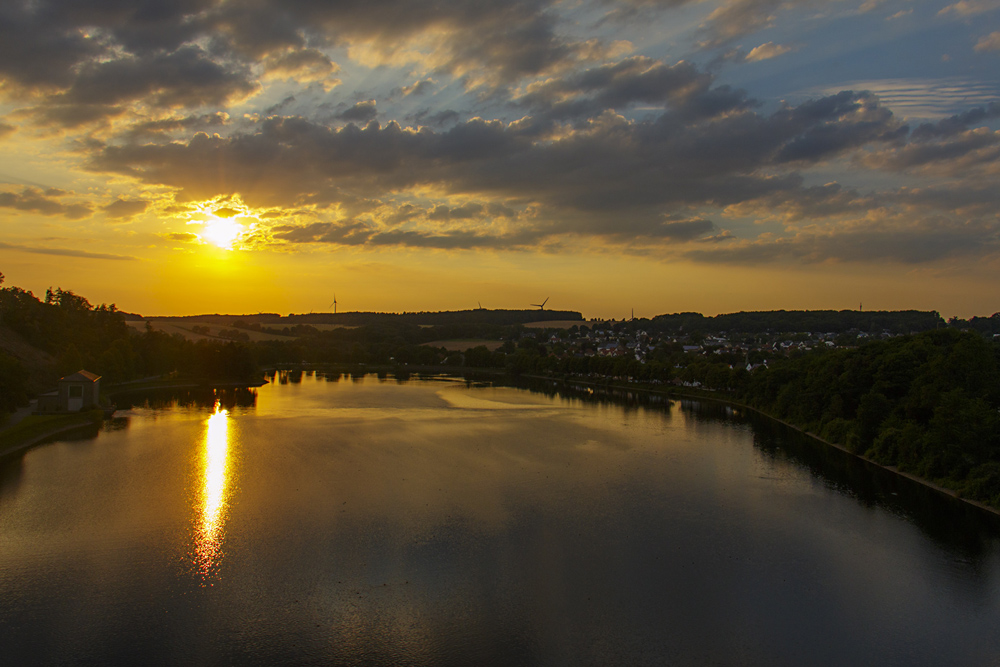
column 330, row 520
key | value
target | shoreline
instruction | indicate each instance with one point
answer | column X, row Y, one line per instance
column 42, row 437
column 690, row 396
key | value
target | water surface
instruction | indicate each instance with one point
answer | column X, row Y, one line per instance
column 337, row 521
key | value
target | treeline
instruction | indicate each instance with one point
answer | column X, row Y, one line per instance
column 449, row 317
column 79, row 335
column 984, row 325
column 481, row 316
column 780, row 321
column 928, row 404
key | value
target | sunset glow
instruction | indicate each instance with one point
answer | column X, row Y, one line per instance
column 222, row 233
column 658, row 156
column 211, row 528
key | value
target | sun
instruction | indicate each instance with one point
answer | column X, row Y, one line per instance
column 221, row 232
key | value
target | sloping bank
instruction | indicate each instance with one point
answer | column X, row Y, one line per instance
column 674, row 393
column 36, row 429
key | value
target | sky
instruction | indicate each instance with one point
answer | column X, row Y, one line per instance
column 197, row 156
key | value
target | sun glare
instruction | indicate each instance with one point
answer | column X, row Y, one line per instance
column 222, row 233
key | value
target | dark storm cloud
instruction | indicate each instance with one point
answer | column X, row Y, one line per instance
column 125, row 208
column 45, row 202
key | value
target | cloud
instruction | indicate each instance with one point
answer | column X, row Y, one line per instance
column 421, row 87
column 512, row 38
column 606, row 177
column 950, row 146
column 182, row 237
column 353, row 233
column 6, row 129
column 956, row 124
column 990, row 42
column 767, row 51
column 362, row 112
column 166, row 126
column 464, row 212
column 125, row 208
column 905, row 242
column 969, row 7
column 64, row 252
column 684, row 230
column 922, row 98
column 637, row 80
column 187, row 77
column 736, row 18
column 303, row 65
column 45, row 202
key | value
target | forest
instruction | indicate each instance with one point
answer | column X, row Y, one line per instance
column 928, row 404
column 73, row 334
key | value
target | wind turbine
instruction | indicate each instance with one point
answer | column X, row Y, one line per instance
column 334, row 304
column 541, row 306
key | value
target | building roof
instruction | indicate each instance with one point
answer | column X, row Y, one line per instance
column 81, row 376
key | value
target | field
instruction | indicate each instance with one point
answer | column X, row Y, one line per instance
column 186, row 329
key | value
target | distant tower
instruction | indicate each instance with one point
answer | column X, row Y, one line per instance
column 860, row 309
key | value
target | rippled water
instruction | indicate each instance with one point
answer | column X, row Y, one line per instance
column 333, row 521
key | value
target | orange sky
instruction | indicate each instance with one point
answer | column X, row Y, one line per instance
column 710, row 156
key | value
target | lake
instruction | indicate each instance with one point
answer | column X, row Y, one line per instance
column 330, row 520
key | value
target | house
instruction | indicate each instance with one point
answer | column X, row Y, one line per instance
column 76, row 392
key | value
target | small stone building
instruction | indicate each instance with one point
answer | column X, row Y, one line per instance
column 76, row 392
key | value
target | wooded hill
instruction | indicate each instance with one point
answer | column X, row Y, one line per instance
column 928, row 404
column 356, row 319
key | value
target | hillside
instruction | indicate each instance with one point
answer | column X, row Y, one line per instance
column 475, row 316
column 40, row 365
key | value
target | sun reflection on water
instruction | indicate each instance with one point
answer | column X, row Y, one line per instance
column 215, row 462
